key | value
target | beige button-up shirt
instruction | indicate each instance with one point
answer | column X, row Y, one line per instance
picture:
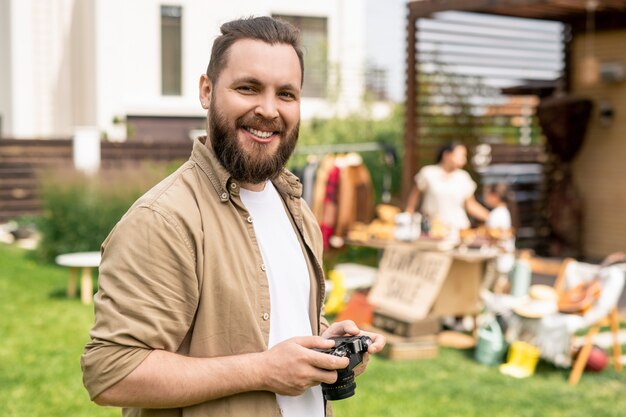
column 182, row 272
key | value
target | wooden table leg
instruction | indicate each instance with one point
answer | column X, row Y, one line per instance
column 86, row 286
column 71, row 283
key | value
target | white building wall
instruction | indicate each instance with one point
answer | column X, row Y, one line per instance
column 40, row 67
column 386, row 42
column 21, row 71
column 84, row 62
column 137, row 66
column 351, row 57
column 5, row 67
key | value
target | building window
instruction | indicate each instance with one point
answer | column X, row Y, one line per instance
column 314, row 38
column 171, row 51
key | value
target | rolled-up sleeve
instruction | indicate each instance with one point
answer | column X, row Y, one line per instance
column 147, row 296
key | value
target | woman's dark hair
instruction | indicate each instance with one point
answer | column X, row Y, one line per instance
column 447, row 148
column 264, row 28
column 500, row 189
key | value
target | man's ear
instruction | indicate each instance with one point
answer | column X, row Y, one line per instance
column 205, row 91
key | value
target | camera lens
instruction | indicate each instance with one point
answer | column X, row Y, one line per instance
column 342, row 388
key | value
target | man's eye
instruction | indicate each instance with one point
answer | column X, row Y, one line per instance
column 287, row 95
column 245, row 89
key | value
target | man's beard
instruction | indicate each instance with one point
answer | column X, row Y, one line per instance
column 255, row 165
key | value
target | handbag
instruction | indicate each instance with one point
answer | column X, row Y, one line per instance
column 579, row 299
column 582, row 297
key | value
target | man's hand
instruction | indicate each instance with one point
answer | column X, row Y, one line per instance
column 292, row 366
column 348, row 328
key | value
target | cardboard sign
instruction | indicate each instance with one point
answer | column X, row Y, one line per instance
column 409, row 281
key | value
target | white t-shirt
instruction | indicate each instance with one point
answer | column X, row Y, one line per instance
column 444, row 194
column 500, row 218
column 289, row 284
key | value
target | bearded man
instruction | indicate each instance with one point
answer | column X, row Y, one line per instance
column 211, row 287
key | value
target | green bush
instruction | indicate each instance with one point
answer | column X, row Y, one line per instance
column 79, row 211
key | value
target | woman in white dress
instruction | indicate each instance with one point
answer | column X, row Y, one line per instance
column 446, row 191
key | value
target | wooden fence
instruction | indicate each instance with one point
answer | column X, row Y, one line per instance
column 22, row 160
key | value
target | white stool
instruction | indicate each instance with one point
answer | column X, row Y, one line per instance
column 85, row 261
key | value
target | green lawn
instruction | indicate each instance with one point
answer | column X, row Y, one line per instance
column 42, row 334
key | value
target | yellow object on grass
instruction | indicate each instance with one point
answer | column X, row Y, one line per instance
column 335, row 300
column 521, row 360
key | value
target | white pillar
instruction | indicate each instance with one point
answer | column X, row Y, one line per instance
column 86, row 149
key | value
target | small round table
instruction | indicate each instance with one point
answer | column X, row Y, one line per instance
column 86, row 261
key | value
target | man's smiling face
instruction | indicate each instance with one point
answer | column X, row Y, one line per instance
column 254, row 109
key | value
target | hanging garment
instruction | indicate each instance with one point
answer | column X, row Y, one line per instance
column 329, row 216
column 356, row 196
column 319, row 189
column 308, row 179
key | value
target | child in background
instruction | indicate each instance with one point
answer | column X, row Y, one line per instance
column 498, row 198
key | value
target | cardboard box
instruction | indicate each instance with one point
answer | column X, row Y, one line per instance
column 428, row 326
column 408, row 348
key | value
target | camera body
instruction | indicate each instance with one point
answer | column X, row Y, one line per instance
column 352, row 347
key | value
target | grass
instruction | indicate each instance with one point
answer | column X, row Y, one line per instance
column 42, row 334
column 454, row 385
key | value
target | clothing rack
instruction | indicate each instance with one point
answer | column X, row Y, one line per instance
column 388, row 151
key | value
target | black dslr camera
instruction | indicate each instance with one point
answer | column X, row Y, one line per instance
column 352, row 347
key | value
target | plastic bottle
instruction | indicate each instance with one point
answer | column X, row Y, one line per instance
column 521, row 275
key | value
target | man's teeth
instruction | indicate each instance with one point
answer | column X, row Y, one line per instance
column 259, row 133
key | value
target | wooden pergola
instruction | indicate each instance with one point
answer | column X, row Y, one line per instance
column 609, row 14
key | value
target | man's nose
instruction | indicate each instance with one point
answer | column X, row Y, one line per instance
column 267, row 106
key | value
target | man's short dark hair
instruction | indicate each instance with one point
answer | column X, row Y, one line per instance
column 264, row 28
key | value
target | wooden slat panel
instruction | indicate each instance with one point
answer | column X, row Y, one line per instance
column 599, row 171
